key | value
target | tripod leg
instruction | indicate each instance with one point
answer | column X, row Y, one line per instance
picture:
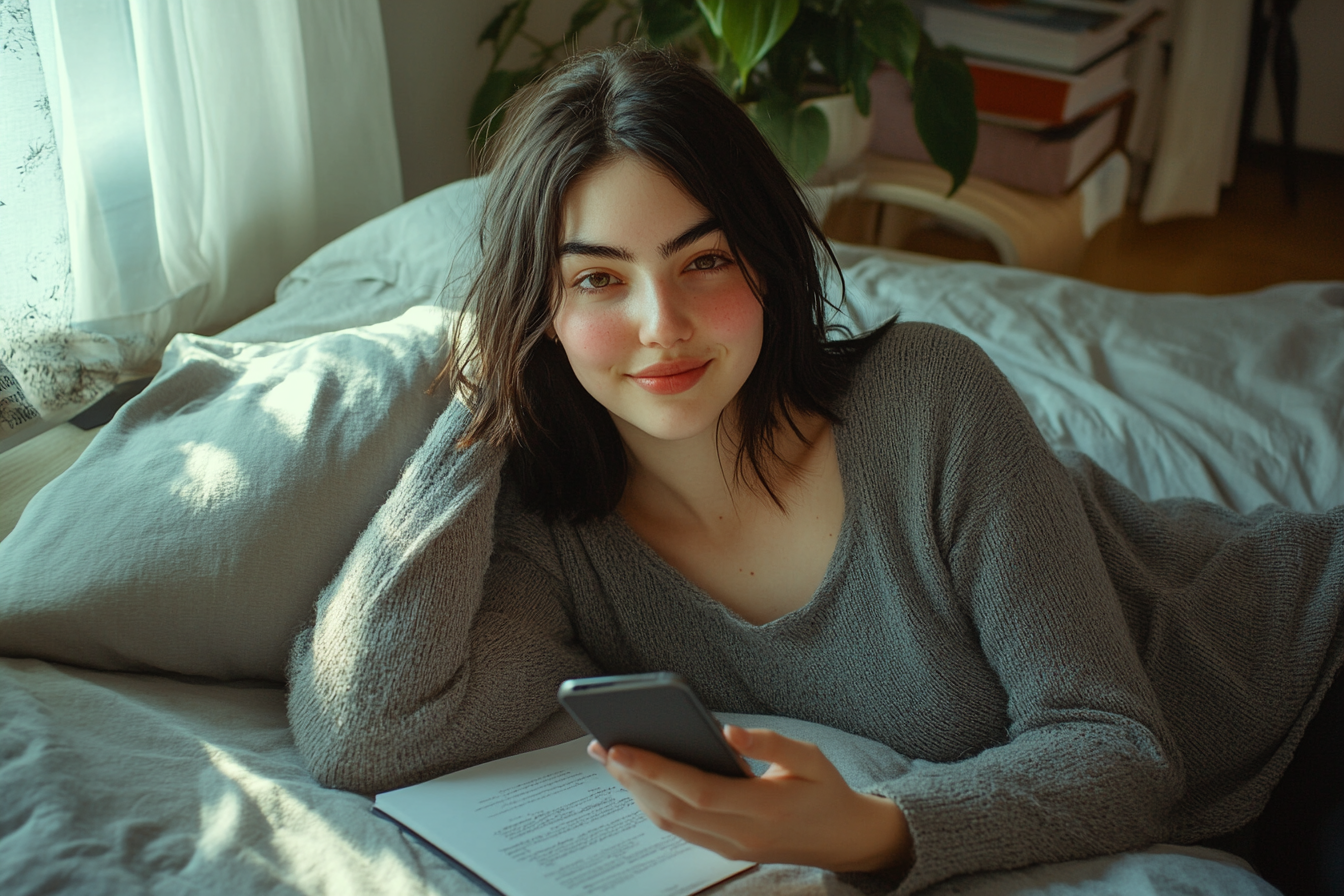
column 1256, row 54
column 1285, row 91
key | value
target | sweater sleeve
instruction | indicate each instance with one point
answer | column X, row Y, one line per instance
column 438, row 644
column 1086, row 766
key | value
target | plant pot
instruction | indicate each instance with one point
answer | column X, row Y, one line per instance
column 850, row 132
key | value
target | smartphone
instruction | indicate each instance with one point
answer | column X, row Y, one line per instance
column 656, row 711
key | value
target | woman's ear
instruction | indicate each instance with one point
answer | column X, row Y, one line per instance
column 551, row 334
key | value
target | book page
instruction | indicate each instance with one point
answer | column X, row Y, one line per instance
column 553, row 821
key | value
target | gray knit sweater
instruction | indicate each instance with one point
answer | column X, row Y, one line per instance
column 1075, row 671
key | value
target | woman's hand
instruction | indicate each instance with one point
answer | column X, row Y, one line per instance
column 800, row 811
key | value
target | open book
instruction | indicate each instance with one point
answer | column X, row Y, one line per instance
column 551, row 821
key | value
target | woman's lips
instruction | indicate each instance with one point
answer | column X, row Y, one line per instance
column 670, row 377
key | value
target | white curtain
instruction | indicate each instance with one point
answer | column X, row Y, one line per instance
column 1196, row 149
column 205, row 148
column 36, row 288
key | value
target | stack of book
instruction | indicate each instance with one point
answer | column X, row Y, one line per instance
column 1051, row 86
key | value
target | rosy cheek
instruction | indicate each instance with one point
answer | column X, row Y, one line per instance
column 734, row 313
column 591, row 337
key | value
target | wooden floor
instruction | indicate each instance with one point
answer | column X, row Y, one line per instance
column 1255, row 240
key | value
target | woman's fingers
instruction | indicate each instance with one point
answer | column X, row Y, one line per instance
column 642, row 770
column 800, row 811
column 674, row 789
column 710, row 837
column 785, row 755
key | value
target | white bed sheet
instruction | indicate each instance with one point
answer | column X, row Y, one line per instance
column 1235, row 399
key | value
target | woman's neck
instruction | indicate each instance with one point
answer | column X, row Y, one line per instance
column 690, row 479
column 729, row 539
column 693, row 481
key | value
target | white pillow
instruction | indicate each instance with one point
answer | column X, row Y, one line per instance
column 196, row 531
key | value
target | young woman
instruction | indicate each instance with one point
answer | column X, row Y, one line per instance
column 662, row 463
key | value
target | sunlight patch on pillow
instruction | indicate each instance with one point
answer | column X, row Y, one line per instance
column 196, row 531
column 210, row 476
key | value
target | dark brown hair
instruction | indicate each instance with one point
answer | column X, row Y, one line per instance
column 566, row 454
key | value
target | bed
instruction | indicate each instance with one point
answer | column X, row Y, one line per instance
column 149, row 592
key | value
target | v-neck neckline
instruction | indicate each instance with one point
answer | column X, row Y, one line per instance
column 834, row 566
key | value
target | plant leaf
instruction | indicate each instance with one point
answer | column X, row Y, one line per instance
column 865, row 60
column 833, row 42
column 669, row 21
column 892, row 32
column 583, row 17
column 800, row 137
column 491, row 32
column 749, row 28
column 512, row 24
column 944, row 99
column 712, row 10
column 788, row 60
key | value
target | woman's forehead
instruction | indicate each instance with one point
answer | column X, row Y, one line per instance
column 627, row 198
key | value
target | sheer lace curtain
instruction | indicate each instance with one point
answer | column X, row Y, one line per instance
column 163, row 164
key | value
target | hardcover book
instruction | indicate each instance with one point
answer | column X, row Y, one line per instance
column 1115, row 7
column 1033, row 97
column 1032, row 32
column 1050, row 161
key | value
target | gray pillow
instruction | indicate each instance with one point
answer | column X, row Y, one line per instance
column 196, row 531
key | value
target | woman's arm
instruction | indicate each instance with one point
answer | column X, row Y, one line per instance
column 1087, row 765
column 435, row 646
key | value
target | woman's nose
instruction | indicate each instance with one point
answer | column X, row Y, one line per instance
column 662, row 312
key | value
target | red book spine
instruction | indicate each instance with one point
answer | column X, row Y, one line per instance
column 1019, row 95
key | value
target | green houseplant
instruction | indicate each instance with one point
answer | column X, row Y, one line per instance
column 773, row 56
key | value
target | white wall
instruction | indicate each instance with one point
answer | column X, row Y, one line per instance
column 435, row 68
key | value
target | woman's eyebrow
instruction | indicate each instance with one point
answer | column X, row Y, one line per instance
column 578, row 247
column 676, row 244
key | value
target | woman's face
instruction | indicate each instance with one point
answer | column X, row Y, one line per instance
column 656, row 318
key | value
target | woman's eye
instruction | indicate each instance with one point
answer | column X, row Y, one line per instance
column 708, row 262
column 598, row 280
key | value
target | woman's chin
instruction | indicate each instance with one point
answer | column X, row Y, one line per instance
column 676, row 428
